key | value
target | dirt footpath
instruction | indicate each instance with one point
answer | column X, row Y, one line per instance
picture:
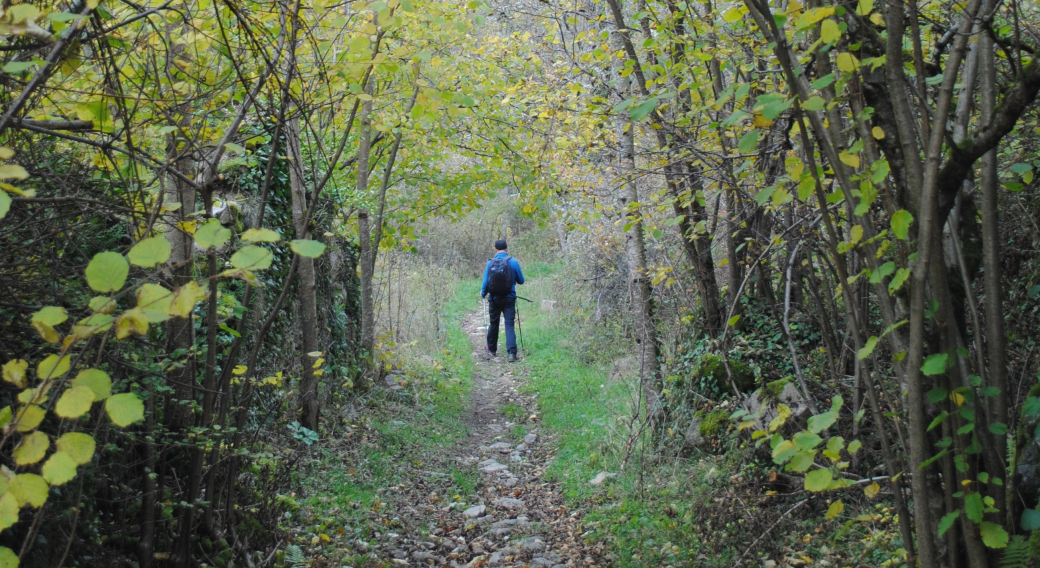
column 517, row 518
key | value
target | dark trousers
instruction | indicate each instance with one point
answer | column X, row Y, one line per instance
column 501, row 307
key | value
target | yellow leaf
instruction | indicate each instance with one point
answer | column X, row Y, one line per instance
column 188, row 226
column 29, row 417
column 53, row 367
column 98, row 381
column 850, row 160
column 74, row 402
column 835, row 509
column 878, row 132
column 31, row 449
column 847, row 62
column 239, row 370
column 872, row 490
column 184, row 299
column 78, row 446
column 13, row 171
column 829, row 31
column 14, row 372
column 29, row 489
column 59, row 469
column 761, row 121
column 131, row 322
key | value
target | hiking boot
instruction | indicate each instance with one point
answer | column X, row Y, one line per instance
column 490, row 354
column 513, row 358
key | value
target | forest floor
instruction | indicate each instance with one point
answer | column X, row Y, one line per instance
column 478, row 498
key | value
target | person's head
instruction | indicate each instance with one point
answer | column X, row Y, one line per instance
column 500, row 245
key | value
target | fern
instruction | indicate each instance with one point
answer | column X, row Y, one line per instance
column 294, row 557
column 1017, row 554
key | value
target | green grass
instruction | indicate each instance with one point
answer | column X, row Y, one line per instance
column 588, row 413
column 403, row 435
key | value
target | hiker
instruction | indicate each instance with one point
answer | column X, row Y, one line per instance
column 501, row 275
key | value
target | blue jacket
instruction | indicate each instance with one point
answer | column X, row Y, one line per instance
column 518, row 276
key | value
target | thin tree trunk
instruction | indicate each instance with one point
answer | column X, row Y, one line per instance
column 309, row 403
column 367, row 261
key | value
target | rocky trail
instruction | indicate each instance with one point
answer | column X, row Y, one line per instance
column 516, row 518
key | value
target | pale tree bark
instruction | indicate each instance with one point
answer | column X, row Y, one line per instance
column 309, row 404
column 367, row 260
column 635, row 255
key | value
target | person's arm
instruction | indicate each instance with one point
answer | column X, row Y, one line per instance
column 483, row 287
column 516, row 268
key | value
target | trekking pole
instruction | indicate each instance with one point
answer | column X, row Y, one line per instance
column 520, row 329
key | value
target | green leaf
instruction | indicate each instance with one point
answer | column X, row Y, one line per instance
column 50, row 315
column 149, row 252
column 824, row 82
column 821, row 422
column 154, row 302
column 98, row 381
column 854, row 446
column 814, row 103
column 993, row 535
column 31, row 449
column 15, row 67
column 78, row 446
column 53, row 367
column 748, row 142
column 252, row 257
column 998, row 428
column 8, row 559
column 867, row 349
column 640, row 111
column 29, row 489
column 8, row 517
column 212, row 234
column 733, row 320
column 937, row 421
column 897, row 281
column 784, row 451
column 5, row 204
column 934, row 365
column 309, row 249
column 261, row 236
column 802, row 461
column 807, row 440
column 947, row 521
column 107, row 272
column 937, row 395
column 1030, row 519
column 901, row 221
column 973, row 507
column 124, row 409
column 59, row 469
column 74, row 402
column 818, row 480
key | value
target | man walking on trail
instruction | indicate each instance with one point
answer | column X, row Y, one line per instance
column 501, row 275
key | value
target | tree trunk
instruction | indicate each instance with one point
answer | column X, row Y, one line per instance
column 309, row 403
column 367, row 260
column 635, row 255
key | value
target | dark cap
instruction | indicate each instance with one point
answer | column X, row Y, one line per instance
column 500, row 244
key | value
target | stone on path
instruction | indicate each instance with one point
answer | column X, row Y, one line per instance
column 492, row 467
column 500, row 447
column 474, row 512
column 531, row 438
column 508, row 503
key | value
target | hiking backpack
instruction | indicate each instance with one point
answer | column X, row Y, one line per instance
column 500, row 277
